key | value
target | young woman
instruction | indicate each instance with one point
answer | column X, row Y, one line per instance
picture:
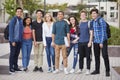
column 26, row 42
column 73, row 40
column 47, row 39
column 85, row 42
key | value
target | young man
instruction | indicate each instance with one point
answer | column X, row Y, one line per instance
column 15, row 38
column 100, row 42
column 38, row 41
column 60, row 30
column 85, row 42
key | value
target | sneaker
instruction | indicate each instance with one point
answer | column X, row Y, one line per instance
column 35, row 69
column 65, row 71
column 25, row 69
column 49, row 70
column 95, row 72
column 107, row 74
column 79, row 71
column 40, row 69
column 61, row 67
column 72, row 71
column 53, row 68
column 87, row 72
column 12, row 71
column 17, row 69
column 56, row 71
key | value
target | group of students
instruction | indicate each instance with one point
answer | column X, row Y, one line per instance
column 50, row 34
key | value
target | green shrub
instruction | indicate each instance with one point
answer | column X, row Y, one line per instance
column 115, row 36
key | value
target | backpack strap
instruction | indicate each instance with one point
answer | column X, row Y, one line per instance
column 89, row 24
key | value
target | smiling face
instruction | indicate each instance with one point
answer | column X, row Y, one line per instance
column 48, row 17
column 39, row 14
column 28, row 21
column 94, row 15
column 19, row 12
column 83, row 15
column 72, row 20
column 60, row 15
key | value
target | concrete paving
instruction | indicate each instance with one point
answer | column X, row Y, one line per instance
column 30, row 75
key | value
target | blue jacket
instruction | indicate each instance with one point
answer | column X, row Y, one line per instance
column 15, row 29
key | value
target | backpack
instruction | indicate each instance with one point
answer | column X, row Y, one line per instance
column 6, row 31
column 108, row 31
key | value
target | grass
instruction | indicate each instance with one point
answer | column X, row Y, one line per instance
column 115, row 36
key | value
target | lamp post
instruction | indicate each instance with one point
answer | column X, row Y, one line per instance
column 99, row 4
column 44, row 7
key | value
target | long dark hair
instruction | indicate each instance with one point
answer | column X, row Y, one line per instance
column 24, row 21
column 76, row 21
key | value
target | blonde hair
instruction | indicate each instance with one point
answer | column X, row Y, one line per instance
column 52, row 19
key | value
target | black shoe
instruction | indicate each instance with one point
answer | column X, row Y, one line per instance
column 11, row 71
column 53, row 68
column 17, row 69
column 35, row 69
column 107, row 74
column 40, row 69
column 95, row 72
column 25, row 69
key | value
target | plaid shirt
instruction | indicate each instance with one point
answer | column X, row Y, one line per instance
column 99, row 26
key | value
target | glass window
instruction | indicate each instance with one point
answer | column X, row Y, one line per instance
column 112, row 14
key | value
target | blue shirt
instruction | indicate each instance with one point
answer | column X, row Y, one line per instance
column 84, row 32
column 60, row 30
column 99, row 26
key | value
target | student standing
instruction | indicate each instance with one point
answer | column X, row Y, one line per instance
column 100, row 42
column 26, row 42
column 38, row 41
column 85, row 42
column 73, row 40
column 60, row 30
column 15, row 38
column 47, row 40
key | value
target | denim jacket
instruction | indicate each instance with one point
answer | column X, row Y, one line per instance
column 15, row 29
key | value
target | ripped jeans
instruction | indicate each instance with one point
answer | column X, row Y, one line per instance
column 75, row 49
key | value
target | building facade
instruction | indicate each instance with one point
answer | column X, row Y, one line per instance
column 109, row 10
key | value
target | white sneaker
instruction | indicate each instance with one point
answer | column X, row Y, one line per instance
column 65, row 71
column 72, row 71
column 49, row 70
column 56, row 71
column 87, row 72
column 79, row 71
column 61, row 67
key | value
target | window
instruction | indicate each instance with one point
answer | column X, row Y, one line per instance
column 112, row 14
column 111, row 8
column 102, row 8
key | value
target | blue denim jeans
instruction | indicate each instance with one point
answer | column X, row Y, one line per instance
column 26, row 51
column 14, row 53
column 75, row 48
column 50, row 52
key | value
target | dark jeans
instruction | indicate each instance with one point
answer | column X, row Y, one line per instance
column 83, row 51
column 14, row 53
column 50, row 52
column 104, row 55
column 26, row 51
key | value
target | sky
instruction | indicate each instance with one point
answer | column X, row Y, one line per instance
column 70, row 2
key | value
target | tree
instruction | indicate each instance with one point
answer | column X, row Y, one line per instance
column 10, row 7
column 30, row 5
